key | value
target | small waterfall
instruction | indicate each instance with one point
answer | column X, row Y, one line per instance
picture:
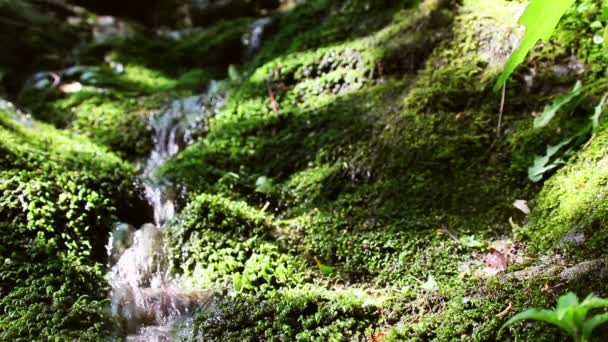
column 253, row 38
column 169, row 134
column 144, row 297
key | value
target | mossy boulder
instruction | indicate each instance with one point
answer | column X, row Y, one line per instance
column 570, row 210
column 60, row 195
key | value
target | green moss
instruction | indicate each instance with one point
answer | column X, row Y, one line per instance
column 47, row 298
column 377, row 157
column 373, row 162
column 570, row 207
column 218, row 242
column 475, row 311
column 308, row 313
column 59, row 196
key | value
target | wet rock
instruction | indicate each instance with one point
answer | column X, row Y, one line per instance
column 157, row 306
column 121, row 238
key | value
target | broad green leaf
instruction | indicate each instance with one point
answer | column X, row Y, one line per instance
column 567, row 300
column 540, row 19
column 599, row 109
column 568, row 311
column 593, row 323
column 550, row 110
column 541, row 315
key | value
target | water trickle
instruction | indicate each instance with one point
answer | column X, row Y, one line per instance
column 253, row 38
column 144, row 297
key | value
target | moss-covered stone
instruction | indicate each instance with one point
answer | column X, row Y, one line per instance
column 60, row 195
column 570, row 210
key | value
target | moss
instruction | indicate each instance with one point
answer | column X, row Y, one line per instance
column 219, row 242
column 372, row 162
column 308, row 313
column 361, row 140
column 60, row 195
column 47, row 298
column 570, row 211
column 475, row 311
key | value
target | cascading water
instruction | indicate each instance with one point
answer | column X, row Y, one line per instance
column 144, row 298
column 253, row 38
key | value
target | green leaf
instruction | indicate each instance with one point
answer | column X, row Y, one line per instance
column 594, row 302
column 541, row 163
column 264, row 185
column 540, row 19
column 325, row 269
column 599, row 109
column 593, row 323
column 567, row 300
column 541, row 315
column 550, row 110
column 604, row 15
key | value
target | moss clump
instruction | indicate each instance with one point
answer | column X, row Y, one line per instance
column 307, row 313
column 219, row 241
column 59, row 196
column 44, row 297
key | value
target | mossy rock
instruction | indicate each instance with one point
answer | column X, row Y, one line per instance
column 570, row 211
column 60, row 195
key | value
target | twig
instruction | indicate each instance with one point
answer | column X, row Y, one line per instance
column 273, row 101
column 449, row 233
column 505, row 311
column 502, row 107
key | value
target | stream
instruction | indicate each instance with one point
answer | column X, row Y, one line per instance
column 145, row 298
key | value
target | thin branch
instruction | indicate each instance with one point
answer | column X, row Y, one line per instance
column 502, row 107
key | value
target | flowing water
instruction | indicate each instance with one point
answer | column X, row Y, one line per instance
column 144, row 297
column 254, row 37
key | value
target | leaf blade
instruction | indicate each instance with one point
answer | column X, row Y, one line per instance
column 544, row 315
column 540, row 18
column 550, row 110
